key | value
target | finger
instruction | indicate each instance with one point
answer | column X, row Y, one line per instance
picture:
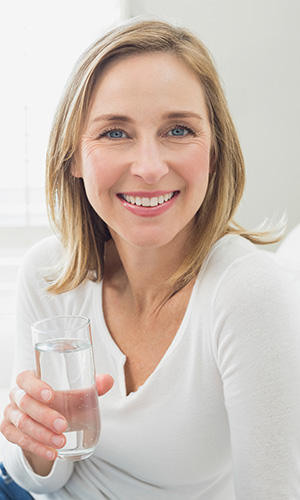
column 30, row 383
column 16, row 395
column 38, row 411
column 27, row 426
column 104, row 383
column 12, row 434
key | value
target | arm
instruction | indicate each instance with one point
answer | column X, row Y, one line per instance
column 28, row 421
column 256, row 320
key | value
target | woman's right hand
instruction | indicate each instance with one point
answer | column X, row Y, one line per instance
column 31, row 424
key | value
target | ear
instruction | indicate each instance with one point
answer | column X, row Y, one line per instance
column 75, row 168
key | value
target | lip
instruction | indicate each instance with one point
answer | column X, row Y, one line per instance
column 148, row 211
column 147, row 194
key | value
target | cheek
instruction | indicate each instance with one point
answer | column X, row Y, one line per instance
column 96, row 172
column 196, row 167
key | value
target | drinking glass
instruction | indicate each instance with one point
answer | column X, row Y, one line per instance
column 64, row 359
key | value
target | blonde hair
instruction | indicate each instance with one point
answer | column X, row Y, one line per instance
column 82, row 232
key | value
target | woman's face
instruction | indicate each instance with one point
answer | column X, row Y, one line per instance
column 144, row 155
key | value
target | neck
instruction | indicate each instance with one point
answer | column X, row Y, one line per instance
column 142, row 273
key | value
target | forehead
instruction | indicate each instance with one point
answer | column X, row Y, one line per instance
column 147, row 60
column 154, row 76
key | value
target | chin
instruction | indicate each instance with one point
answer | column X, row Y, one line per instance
column 151, row 239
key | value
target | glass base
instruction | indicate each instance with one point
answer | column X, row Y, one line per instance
column 74, row 457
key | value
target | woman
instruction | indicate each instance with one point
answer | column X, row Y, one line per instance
column 198, row 328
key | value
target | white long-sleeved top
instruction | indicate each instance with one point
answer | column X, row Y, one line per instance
column 218, row 419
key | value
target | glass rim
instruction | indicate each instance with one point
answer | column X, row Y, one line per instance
column 35, row 328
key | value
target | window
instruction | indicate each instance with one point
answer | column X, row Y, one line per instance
column 40, row 42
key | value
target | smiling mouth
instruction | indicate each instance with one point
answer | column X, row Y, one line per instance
column 148, row 202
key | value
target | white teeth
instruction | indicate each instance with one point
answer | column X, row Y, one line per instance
column 148, row 202
column 145, row 202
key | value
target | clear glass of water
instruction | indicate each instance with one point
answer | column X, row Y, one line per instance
column 64, row 359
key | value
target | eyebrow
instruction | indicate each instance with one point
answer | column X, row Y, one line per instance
column 168, row 115
column 112, row 118
column 182, row 114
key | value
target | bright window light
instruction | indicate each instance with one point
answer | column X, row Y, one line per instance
column 40, row 41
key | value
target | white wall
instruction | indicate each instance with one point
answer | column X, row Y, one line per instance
column 256, row 47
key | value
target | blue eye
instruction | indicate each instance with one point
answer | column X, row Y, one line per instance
column 178, row 131
column 115, row 134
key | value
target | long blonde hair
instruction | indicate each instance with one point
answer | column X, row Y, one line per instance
column 82, row 232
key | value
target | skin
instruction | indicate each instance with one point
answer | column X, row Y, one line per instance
column 31, row 424
column 148, row 156
column 147, row 132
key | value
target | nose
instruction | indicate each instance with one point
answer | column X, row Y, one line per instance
column 149, row 162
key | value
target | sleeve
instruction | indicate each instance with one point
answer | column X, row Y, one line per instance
column 256, row 324
column 31, row 304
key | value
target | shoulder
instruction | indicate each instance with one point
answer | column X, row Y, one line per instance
column 39, row 259
column 253, row 308
column 33, row 298
column 238, row 271
column 288, row 256
column 251, row 284
column 232, row 252
column 45, row 252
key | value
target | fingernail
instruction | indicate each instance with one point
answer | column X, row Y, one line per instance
column 50, row 455
column 58, row 441
column 46, row 395
column 59, row 424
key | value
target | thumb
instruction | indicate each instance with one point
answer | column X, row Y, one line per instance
column 104, row 383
